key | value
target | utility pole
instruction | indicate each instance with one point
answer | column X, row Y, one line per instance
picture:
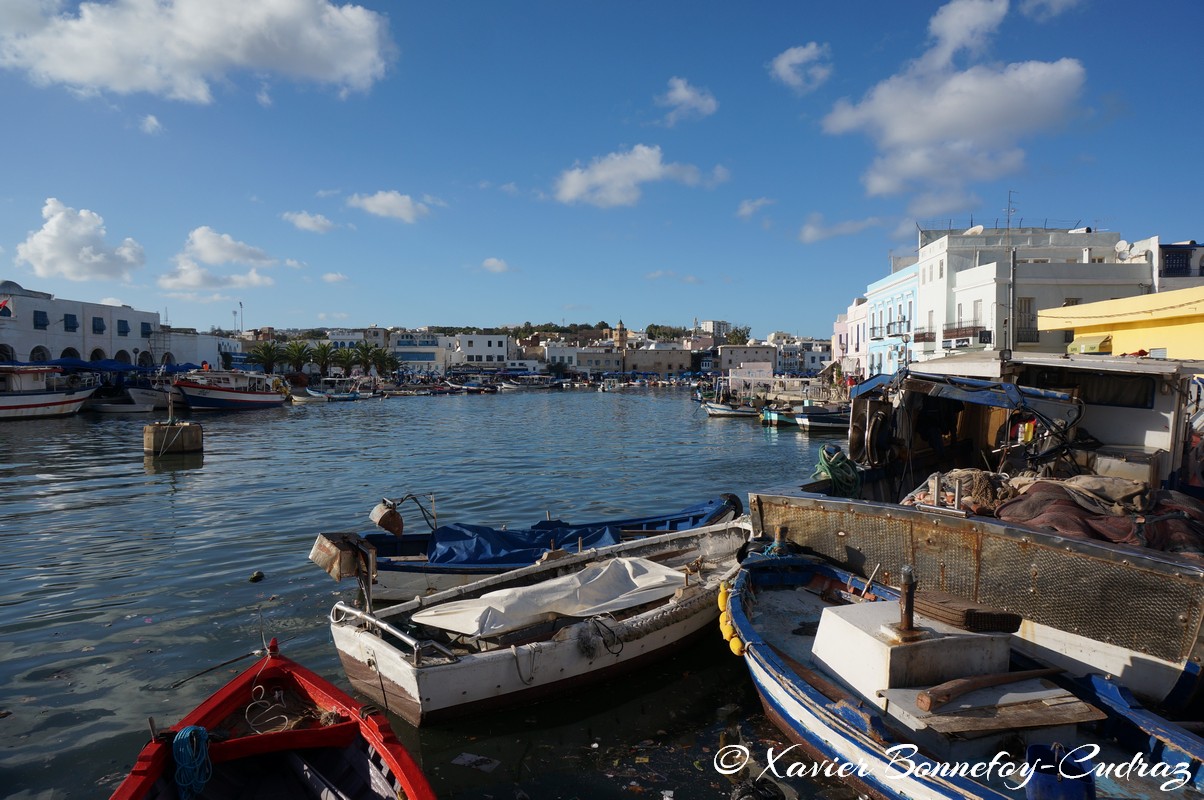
column 1011, row 320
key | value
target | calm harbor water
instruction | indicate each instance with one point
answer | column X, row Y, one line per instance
column 121, row 576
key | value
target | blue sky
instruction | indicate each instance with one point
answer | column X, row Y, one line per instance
column 490, row 163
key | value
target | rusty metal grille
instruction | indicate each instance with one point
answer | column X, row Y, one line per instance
column 1152, row 611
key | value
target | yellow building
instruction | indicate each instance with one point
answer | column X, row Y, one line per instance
column 1166, row 324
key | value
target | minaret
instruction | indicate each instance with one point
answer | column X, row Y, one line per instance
column 620, row 338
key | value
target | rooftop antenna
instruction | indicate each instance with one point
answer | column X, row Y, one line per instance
column 1122, row 250
column 1011, row 209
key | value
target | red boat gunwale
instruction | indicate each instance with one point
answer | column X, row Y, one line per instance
column 275, row 669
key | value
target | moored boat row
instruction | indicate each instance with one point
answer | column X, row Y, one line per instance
column 1021, row 646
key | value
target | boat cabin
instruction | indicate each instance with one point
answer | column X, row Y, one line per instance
column 1048, row 414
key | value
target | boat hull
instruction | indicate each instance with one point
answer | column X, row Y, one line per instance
column 403, row 578
column 424, row 689
column 202, row 397
column 724, row 410
column 324, row 728
column 1152, row 642
column 156, row 396
column 500, row 681
column 36, row 405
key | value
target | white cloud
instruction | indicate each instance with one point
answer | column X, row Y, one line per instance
column 938, row 129
column 750, row 207
column 670, row 275
column 804, row 68
column 1044, row 10
column 210, row 247
column 495, row 265
column 686, row 101
column 615, row 179
column 334, row 277
column 150, row 125
column 110, row 301
column 305, row 221
column 961, row 25
column 390, row 204
column 179, row 48
column 336, row 316
column 814, row 229
column 207, row 246
column 71, row 244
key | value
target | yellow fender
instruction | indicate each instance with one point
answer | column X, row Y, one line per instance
column 737, row 646
column 722, row 596
column 725, row 626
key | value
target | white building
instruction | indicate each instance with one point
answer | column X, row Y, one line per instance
column 733, row 356
column 483, row 350
column 967, row 296
column 962, row 291
column 717, row 327
column 37, row 326
column 563, row 354
column 421, row 352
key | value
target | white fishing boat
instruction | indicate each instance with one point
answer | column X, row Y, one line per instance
column 342, row 389
column 741, row 410
column 232, row 391
column 438, row 557
column 913, row 697
column 156, row 389
column 537, row 631
column 516, row 383
column 29, row 392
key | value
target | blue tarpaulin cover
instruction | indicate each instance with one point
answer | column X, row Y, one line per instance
column 481, row 545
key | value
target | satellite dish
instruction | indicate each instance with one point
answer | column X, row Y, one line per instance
column 1121, row 248
column 977, row 229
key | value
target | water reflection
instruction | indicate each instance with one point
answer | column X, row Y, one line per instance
column 119, row 577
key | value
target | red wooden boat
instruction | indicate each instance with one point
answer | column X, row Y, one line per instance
column 277, row 730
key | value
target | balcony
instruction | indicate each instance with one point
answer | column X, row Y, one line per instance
column 1028, row 335
column 877, row 333
column 923, row 335
column 962, row 329
column 898, row 327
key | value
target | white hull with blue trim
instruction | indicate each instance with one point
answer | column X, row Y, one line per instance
column 231, row 391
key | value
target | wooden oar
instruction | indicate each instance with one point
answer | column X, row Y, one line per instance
column 941, row 694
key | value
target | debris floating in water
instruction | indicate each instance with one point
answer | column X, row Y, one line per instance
column 256, row 576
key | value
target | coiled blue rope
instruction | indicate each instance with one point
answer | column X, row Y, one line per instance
column 190, row 749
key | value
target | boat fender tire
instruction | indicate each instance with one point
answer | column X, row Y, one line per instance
column 734, row 502
column 877, row 439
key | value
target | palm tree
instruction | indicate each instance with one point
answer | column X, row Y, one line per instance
column 344, row 357
column 323, row 356
column 298, row 353
column 269, row 354
column 385, row 362
column 364, row 352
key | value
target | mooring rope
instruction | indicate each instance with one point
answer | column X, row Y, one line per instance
column 190, row 749
column 837, row 468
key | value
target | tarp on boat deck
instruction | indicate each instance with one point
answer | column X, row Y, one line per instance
column 483, row 546
column 599, row 589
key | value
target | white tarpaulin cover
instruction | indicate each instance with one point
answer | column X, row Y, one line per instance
column 619, row 583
